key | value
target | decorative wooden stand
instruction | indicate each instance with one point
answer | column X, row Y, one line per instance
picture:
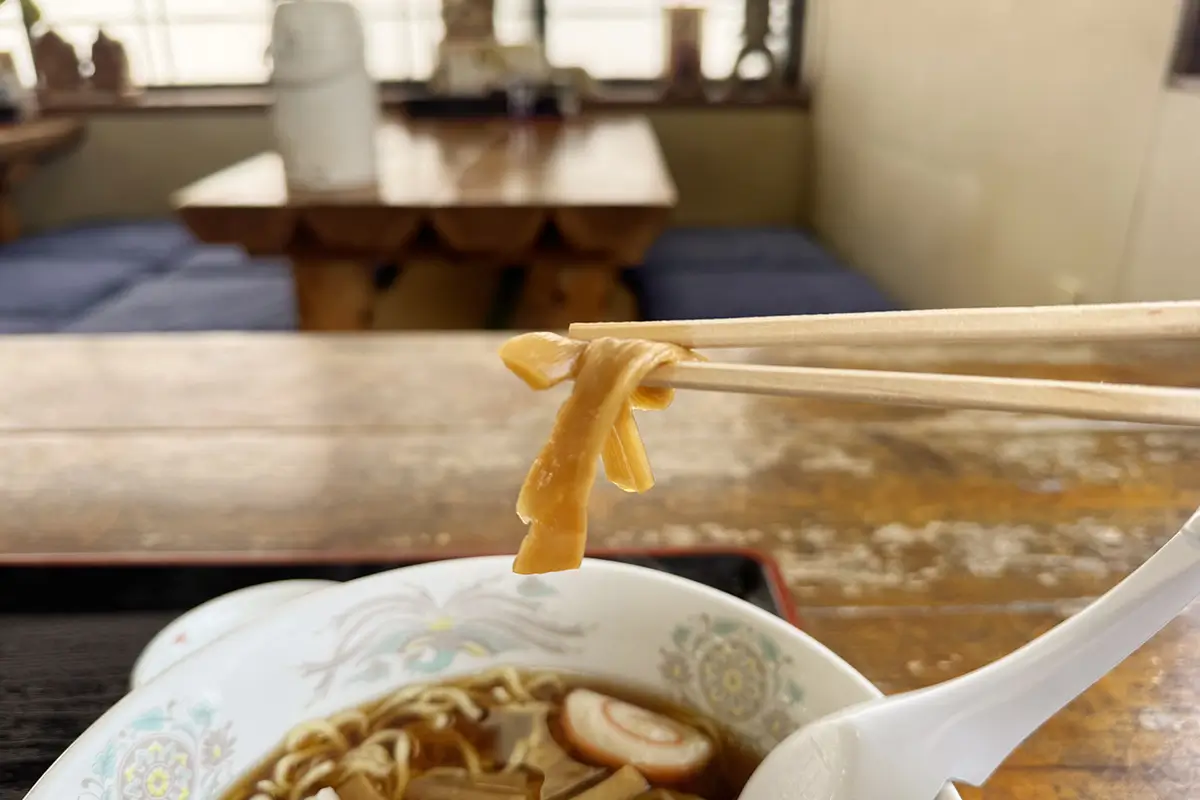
column 683, row 74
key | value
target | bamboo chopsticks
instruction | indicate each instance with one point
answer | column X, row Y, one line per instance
column 1126, row 322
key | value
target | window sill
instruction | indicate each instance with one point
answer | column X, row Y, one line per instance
column 624, row 97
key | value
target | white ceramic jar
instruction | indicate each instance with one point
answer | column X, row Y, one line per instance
column 326, row 107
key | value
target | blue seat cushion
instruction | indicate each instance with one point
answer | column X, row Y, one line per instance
column 755, row 249
column 152, row 243
column 19, row 324
column 713, row 295
column 38, row 286
column 187, row 302
column 720, row 273
column 138, row 276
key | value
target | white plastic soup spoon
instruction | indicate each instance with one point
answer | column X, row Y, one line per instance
column 908, row 746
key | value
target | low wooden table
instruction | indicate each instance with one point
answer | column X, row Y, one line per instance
column 23, row 146
column 575, row 202
column 918, row 544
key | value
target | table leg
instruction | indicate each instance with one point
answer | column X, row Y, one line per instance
column 558, row 294
column 10, row 222
column 587, row 292
column 334, row 295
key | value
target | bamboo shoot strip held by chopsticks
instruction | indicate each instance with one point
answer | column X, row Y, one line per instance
column 595, row 424
column 637, row 365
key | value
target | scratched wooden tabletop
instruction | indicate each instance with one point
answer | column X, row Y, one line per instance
column 917, row 543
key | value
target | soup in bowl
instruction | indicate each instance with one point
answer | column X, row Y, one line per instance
column 459, row 680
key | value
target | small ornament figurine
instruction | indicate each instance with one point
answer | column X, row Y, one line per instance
column 110, row 66
column 754, row 42
column 469, row 20
column 57, row 64
column 326, row 105
column 683, row 73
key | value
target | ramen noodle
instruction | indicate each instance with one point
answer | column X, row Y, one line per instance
column 594, row 424
column 505, row 734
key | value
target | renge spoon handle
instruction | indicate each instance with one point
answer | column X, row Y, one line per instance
column 969, row 725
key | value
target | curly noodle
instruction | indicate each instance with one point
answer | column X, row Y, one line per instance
column 383, row 740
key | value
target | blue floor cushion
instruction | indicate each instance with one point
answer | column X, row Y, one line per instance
column 717, row 273
column 154, row 276
column 182, row 302
column 138, row 276
column 153, row 243
column 62, row 288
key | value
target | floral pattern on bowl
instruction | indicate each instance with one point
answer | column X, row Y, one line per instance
column 414, row 632
column 736, row 673
column 170, row 752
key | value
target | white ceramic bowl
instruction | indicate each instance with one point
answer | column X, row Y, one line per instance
column 193, row 729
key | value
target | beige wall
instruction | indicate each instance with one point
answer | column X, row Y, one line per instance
column 731, row 167
column 1164, row 252
column 1003, row 151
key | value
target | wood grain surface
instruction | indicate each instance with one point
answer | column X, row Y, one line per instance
column 918, row 544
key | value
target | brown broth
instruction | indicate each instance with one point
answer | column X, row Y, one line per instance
column 722, row 779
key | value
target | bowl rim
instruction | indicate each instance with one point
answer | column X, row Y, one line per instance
column 139, row 664
column 92, row 737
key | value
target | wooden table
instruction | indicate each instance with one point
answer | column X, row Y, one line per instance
column 22, row 147
column 574, row 202
column 919, row 544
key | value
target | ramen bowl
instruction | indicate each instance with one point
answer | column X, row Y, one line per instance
column 214, row 715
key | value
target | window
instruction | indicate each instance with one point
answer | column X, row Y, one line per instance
column 221, row 42
column 1187, row 48
column 616, row 39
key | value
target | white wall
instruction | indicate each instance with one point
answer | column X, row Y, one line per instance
column 993, row 151
column 1164, row 251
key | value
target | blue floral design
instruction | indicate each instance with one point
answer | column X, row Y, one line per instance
column 169, row 752
column 736, row 673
